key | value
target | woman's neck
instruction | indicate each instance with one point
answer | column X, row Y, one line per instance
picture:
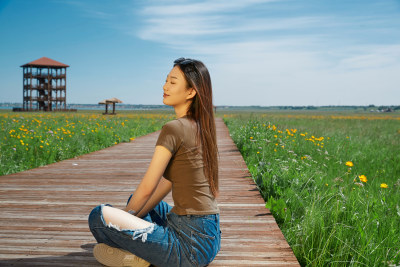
column 181, row 111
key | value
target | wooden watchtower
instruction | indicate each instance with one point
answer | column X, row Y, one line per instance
column 44, row 84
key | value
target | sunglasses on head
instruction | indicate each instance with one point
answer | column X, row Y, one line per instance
column 183, row 61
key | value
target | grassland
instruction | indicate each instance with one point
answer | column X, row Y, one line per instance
column 30, row 139
column 332, row 182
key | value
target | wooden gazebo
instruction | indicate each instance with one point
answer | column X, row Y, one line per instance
column 44, row 85
column 110, row 101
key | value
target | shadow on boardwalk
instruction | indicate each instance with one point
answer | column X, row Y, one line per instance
column 44, row 211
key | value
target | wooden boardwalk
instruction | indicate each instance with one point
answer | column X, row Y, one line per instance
column 44, row 211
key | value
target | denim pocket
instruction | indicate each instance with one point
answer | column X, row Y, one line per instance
column 203, row 248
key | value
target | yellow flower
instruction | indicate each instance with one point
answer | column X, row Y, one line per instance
column 384, row 185
column 349, row 163
column 251, row 137
column 363, row 178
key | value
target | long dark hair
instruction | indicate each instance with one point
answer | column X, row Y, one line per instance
column 201, row 111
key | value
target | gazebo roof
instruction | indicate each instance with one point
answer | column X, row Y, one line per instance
column 114, row 100
column 45, row 62
column 111, row 100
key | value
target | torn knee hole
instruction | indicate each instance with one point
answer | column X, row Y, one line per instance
column 135, row 233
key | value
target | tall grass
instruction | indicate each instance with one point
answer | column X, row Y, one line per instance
column 29, row 140
column 331, row 182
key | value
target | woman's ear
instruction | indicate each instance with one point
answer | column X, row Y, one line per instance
column 191, row 93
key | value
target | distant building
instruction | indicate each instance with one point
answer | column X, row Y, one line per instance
column 44, row 85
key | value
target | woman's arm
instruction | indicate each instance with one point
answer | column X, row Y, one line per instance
column 150, row 180
column 163, row 188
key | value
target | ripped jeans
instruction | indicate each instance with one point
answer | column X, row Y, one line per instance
column 172, row 240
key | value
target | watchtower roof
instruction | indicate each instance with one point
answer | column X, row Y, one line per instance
column 45, row 62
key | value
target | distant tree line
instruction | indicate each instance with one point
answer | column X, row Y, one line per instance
column 123, row 106
column 330, row 107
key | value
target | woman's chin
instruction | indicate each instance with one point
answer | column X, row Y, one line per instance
column 165, row 101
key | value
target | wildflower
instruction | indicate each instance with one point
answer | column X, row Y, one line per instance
column 384, row 185
column 363, row 178
column 359, row 184
column 349, row 163
column 251, row 137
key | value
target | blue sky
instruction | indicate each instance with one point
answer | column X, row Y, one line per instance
column 258, row 52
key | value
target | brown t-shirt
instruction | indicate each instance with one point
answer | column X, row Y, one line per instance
column 190, row 189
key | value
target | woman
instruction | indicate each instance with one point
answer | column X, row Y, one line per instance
column 185, row 161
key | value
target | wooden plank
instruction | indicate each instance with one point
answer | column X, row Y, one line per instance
column 44, row 211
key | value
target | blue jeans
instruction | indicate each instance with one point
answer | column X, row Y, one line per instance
column 171, row 240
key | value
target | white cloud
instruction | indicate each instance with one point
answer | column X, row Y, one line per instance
column 281, row 59
column 383, row 56
column 204, row 7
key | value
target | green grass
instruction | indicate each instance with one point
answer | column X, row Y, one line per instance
column 327, row 214
column 32, row 139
